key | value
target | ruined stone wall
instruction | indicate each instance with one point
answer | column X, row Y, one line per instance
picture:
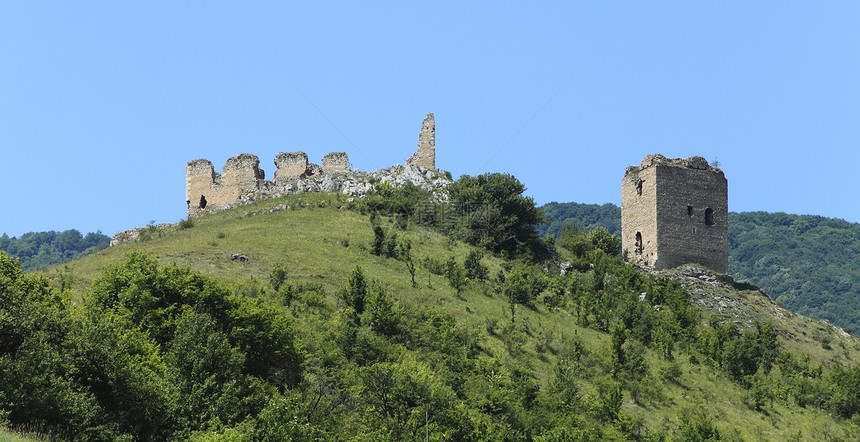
column 426, row 154
column 200, row 179
column 207, row 191
column 638, row 224
column 290, row 165
column 335, row 162
column 242, row 180
column 681, row 213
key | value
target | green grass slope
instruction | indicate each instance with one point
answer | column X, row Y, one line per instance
column 318, row 241
column 11, row 436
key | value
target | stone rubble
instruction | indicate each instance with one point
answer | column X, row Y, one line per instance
column 132, row 234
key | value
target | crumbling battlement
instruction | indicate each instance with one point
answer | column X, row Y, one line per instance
column 674, row 211
column 208, row 191
column 694, row 162
column 242, row 180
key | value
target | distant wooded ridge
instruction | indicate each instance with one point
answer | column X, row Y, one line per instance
column 38, row 250
column 809, row 263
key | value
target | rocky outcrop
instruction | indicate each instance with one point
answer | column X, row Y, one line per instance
column 313, row 170
column 133, row 234
column 353, row 183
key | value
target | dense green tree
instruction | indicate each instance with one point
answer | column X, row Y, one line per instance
column 492, row 212
column 355, row 293
column 383, row 313
column 844, row 391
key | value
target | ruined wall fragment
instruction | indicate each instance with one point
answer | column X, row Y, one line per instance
column 290, row 165
column 335, row 162
column 426, row 154
column 207, row 191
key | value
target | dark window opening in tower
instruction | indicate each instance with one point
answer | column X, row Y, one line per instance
column 709, row 216
column 202, row 202
column 638, row 249
column 639, row 187
column 689, row 210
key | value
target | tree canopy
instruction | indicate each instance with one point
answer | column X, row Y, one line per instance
column 38, row 250
column 492, row 212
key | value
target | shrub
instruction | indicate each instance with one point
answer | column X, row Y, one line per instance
column 473, row 267
column 277, row 277
column 455, row 274
column 186, row 224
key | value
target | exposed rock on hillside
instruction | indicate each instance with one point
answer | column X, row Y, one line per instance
column 743, row 305
column 352, row 183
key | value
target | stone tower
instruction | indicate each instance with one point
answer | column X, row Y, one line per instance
column 675, row 211
column 426, row 154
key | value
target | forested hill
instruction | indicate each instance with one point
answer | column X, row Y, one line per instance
column 38, row 250
column 810, row 264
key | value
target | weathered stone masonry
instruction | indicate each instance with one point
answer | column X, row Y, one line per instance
column 335, row 162
column 242, row 180
column 426, row 154
column 208, row 191
column 673, row 212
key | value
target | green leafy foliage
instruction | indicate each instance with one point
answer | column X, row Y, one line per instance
column 588, row 216
column 38, row 250
column 696, row 425
column 155, row 353
column 475, row 270
column 355, row 294
column 297, row 347
column 580, row 241
column 490, row 211
column 810, row 264
column 455, row 273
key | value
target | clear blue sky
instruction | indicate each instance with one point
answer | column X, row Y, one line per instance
column 103, row 103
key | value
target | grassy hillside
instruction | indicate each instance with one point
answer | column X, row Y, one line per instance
column 520, row 372
column 10, row 436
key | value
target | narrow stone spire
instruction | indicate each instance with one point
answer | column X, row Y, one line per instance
column 426, row 154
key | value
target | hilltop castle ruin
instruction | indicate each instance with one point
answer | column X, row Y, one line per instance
column 242, row 180
column 675, row 211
